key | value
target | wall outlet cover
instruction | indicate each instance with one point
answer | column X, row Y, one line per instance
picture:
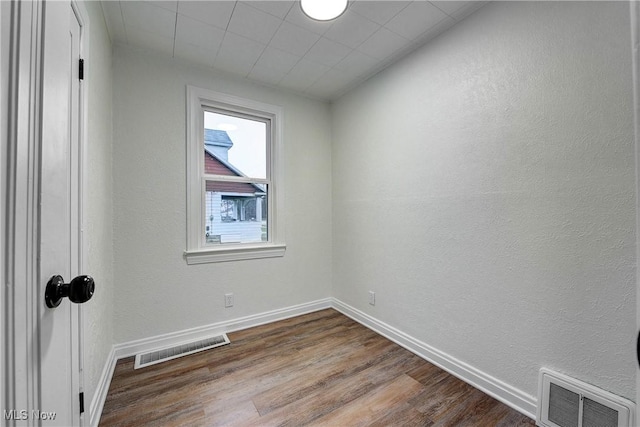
column 228, row 300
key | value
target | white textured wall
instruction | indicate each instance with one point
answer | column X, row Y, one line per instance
column 484, row 189
column 98, row 313
column 156, row 291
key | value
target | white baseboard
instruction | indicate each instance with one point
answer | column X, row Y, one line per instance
column 510, row 396
column 516, row 399
column 120, row 351
column 100, row 396
column 132, row 348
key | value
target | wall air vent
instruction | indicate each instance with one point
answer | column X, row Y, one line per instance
column 566, row 402
column 169, row 353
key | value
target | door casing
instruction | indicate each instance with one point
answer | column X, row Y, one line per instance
column 22, row 74
column 21, row 294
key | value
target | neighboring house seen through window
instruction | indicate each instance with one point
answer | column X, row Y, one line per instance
column 234, row 188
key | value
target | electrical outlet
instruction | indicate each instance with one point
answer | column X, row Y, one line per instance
column 228, row 300
column 372, row 298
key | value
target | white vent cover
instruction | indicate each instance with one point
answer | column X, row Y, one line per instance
column 169, row 353
column 566, row 402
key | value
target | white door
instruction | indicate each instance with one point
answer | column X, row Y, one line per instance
column 60, row 340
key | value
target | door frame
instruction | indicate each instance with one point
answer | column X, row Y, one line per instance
column 81, row 14
column 22, row 290
column 78, row 170
column 22, row 48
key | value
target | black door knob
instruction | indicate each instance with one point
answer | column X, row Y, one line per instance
column 79, row 290
column 638, row 348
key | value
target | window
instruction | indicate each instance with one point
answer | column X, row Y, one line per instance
column 234, row 178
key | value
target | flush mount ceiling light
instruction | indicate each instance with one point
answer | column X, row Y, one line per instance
column 323, row 10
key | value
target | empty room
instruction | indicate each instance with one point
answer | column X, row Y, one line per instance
column 337, row 213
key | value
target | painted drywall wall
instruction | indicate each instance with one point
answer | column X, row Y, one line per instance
column 484, row 189
column 156, row 291
column 98, row 233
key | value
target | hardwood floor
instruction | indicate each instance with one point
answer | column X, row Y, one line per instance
column 320, row 369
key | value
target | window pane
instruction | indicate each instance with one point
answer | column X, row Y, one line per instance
column 235, row 212
column 234, row 146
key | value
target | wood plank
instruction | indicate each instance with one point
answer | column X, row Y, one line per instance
column 242, row 412
column 384, row 401
column 319, row 374
column 321, row 368
column 337, row 393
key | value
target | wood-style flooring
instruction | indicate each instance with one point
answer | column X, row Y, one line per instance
column 319, row 369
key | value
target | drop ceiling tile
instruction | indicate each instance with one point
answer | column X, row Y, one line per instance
column 194, row 53
column 415, row 19
column 216, row 13
column 150, row 41
column 357, row 64
column 143, row 16
column 435, row 31
column 351, row 29
column 294, row 39
column 327, row 52
column 190, row 31
column 236, row 66
column 297, row 17
column 113, row 17
column 378, row 11
column 383, row 44
column 279, row 8
column 171, row 5
column 238, row 54
column 276, row 59
column 298, row 56
column 253, row 23
column 266, row 75
column 239, row 65
column 239, row 46
column 303, row 74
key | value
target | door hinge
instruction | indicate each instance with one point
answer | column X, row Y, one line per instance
column 82, row 402
column 81, row 69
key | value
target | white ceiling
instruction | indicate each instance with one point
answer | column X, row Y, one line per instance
column 273, row 42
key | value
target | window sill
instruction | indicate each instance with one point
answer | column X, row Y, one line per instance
column 223, row 254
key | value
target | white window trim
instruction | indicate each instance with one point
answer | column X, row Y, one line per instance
column 197, row 251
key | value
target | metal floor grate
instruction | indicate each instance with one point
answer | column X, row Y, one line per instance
column 169, row 353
